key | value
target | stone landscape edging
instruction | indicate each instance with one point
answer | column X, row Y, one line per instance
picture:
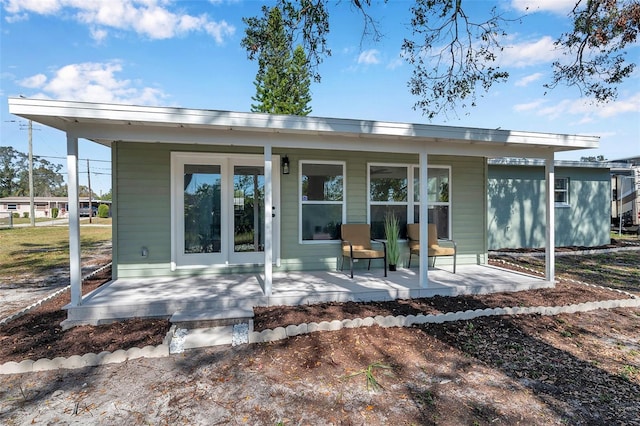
column 631, row 246
column 281, row 333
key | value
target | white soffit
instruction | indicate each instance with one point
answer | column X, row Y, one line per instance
column 69, row 116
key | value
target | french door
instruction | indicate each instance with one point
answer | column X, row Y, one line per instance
column 218, row 209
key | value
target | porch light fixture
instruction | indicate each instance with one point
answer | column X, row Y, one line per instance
column 285, row 165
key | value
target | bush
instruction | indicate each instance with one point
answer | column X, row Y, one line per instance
column 54, row 212
column 16, row 215
column 25, row 215
column 103, row 210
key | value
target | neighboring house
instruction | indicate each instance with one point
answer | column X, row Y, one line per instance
column 206, row 192
column 625, row 194
column 516, row 203
column 43, row 205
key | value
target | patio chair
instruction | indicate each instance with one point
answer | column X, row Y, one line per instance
column 356, row 244
column 435, row 249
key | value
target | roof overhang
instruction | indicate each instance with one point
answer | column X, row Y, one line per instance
column 108, row 123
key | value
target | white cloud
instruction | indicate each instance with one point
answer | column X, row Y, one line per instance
column 93, row 82
column 149, row 18
column 561, row 7
column 528, row 79
column 530, row 106
column 369, row 57
column 583, row 110
column 33, row 82
column 42, row 7
column 395, row 63
column 530, row 53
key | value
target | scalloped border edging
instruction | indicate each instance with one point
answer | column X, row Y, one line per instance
column 281, row 333
column 88, row 360
column 631, row 246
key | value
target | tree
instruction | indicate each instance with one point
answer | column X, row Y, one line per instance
column 14, row 175
column 299, row 78
column 283, row 79
column 593, row 159
column 454, row 58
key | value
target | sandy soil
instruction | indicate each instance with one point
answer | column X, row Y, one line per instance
column 531, row 370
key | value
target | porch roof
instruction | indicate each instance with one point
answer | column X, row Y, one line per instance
column 106, row 123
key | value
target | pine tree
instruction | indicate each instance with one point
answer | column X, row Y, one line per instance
column 283, row 80
column 299, row 82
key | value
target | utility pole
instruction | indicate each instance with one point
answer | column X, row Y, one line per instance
column 32, row 211
column 89, row 185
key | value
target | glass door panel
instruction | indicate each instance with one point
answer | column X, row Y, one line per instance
column 202, row 209
column 248, row 209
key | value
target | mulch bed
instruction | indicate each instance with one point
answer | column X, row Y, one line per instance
column 38, row 333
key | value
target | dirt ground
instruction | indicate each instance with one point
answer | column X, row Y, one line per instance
column 566, row 369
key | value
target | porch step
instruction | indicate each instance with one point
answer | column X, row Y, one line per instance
column 210, row 318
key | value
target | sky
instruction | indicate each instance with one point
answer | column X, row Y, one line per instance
column 187, row 53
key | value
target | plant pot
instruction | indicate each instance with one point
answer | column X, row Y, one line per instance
column 392, row 268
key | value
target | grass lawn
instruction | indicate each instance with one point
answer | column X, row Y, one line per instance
column 41, row 249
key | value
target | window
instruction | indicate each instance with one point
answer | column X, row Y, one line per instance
column 438, row 198
column 561, row 195
column 389, row 192
column 322, row 200
column 12, row 207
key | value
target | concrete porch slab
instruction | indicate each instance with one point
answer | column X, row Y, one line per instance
column 163, row 297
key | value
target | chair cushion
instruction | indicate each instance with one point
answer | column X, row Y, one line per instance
column 441, row 251
column 363, row 254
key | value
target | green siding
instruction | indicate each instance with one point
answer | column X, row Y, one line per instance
column 516, row 207
column 143, row 177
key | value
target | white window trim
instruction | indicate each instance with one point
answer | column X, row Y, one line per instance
column 562, row 204
column 411, row 203
column 437, row 203
column 225, row 258
column 301, row 202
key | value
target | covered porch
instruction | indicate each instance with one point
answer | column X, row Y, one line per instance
column 225, row 294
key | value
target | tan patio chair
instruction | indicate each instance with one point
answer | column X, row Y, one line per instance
column 356, row 244
column 435, row 249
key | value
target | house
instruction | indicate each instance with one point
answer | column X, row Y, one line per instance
column 516, row 203
column 625, row 195
column 43, row 206
column 214, row 202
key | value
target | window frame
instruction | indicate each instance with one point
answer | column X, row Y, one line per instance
column 412, row 174
column 566, row 191
column 302, row 202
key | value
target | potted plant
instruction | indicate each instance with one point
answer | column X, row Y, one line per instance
column 392, row 234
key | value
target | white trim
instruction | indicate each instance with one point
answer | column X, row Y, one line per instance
column 424, row 224
column 550, row 246
column 437, row 203
column 566, row 203
column 411, row 203
column 226, row 257
column 269, row 235
column 65, row 115
column 75, row 268
column 300, row 202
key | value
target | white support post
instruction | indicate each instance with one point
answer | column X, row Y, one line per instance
column 268, row 220
column 550, row 247
column 424, row 221
column 74, row 221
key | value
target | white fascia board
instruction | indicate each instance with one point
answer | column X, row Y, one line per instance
column 70, row 113
column 508, row 161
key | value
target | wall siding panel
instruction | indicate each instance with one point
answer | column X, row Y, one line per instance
column 516, row 207
column 144, row 199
